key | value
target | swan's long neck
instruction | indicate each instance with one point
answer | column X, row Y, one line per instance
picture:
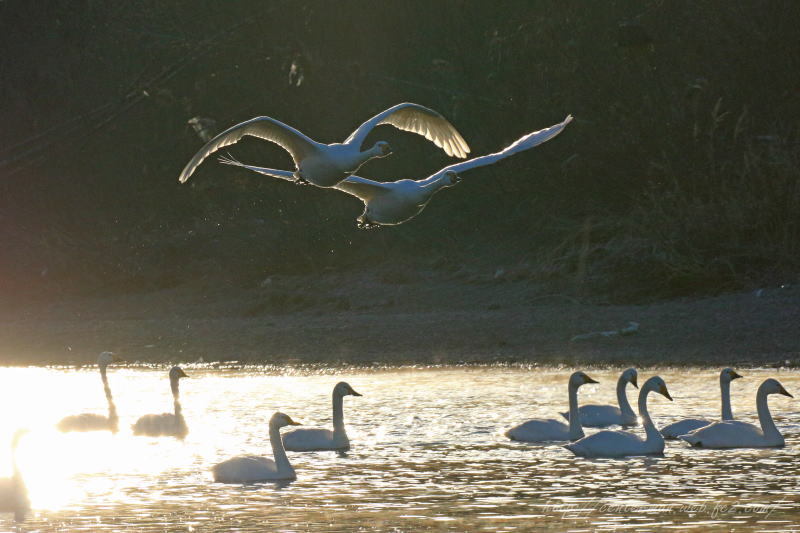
column 650, row 429
column 278, row 451
column 765, row 417
column 725, row 390
column 575, row 429
column 338, row 416
column 112, row 409
column 176, row 401
column 622, row 398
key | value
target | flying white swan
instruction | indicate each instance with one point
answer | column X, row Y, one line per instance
column 325, row 165
column 543, row 430
column 601, row 416
column 313, row 439
column 254, row 468
column 682, row 427
column 737, row 434
column 609, row 443
column 13, row 493
column 395, row 202
column 165, row 424
column 92, row 421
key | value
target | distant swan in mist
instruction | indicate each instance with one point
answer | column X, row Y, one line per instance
column 254, row 468
column 311, row 439
column 736, row 434
column 165, row 424
column 13, row 493
column 601, row 416
column 395, row 202
column 92, row 421
column 682, row 427
column 325, row 165
column 609, row 443
column 544, row 430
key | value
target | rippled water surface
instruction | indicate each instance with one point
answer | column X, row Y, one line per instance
column 428, row 454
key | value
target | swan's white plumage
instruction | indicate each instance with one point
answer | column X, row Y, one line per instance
column 325, row 165
column 395, row 202
column 13, row 493
column 93, row 421
column 687, row 425
column 165, row 424
column 549, row 429
column 316, row 439
column 609, row 443
column 601, row 416
column 738, row 434
column 253, row 468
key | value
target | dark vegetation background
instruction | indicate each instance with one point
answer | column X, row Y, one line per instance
column 679, row 176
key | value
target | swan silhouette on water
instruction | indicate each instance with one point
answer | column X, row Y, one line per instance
column 13, row 493
column 325, row 165
column 165, row 424
column 682, row 427
column 543, row 430
column 601, row 416
column 395, row 202
column 609, row 443
column 254, row 468
column 314, row 439
column 737, row 434
column 92, row 421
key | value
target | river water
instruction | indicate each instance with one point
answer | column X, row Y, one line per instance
column 428, row 454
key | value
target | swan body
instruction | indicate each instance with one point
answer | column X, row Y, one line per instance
column 315, row 439
column 13, row 493
column 609, row 443
column 93, row 421
column 687, row 425
column 395, row 202
column 253, row 468
column 325, row 165
column 737, row 434
column 544, row 430
column 165, row 424
column 601, row 416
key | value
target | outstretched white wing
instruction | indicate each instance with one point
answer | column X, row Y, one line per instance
column 420, row 120
column 269, row 129
column 524, row 143
column 282, row 174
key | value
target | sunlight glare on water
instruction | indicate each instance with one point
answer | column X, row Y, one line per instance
column 428, row 454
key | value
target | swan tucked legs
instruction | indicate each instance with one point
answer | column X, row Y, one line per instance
column 254, row 468
column 543, row 430
column 601, row 416
column 165, row 424
column 682, row 427
column 92, row 421
column 313, row 439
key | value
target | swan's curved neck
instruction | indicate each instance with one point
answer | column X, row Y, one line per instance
column 650, row 429
column 338, row 416
column 622, row 398
column 278, row 451
column 575, row 429
column 764, row 416
column 173, row 383
column 112, row 409
column 725, row 391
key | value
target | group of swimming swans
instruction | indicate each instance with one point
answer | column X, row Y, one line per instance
column 334, row 165
column 699, row 433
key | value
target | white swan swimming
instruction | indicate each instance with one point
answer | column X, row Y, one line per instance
column 165, row 424
column 609, row 443
column 544, row 430
column 254, row 468
column 601, row 416
column 737, row 434
column 682, row 427
column 325, row 165
column 13, row 493
column 92, row 421
column 314, row 439
column 395, row 202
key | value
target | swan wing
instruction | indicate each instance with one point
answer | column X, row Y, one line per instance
column 362, row 188
column 539, row 430
column 609, row 444
column 269, row 129
column 271, row 172
column 523, row 143
column 594, row 416
column 734, row 434
column 308, row 439
column 84, row 422
column 416, row 119
column 245, row 469
column 682, row 427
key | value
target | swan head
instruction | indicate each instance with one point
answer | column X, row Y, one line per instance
column 176, row 372
column 451, row 177
column 656, row 384
column 773, row 386
column 728, row 374
column 344, row 389
column 280, row 420
column 579, row 378
column 382, row 149
column 630, row 376
column 106, row 358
